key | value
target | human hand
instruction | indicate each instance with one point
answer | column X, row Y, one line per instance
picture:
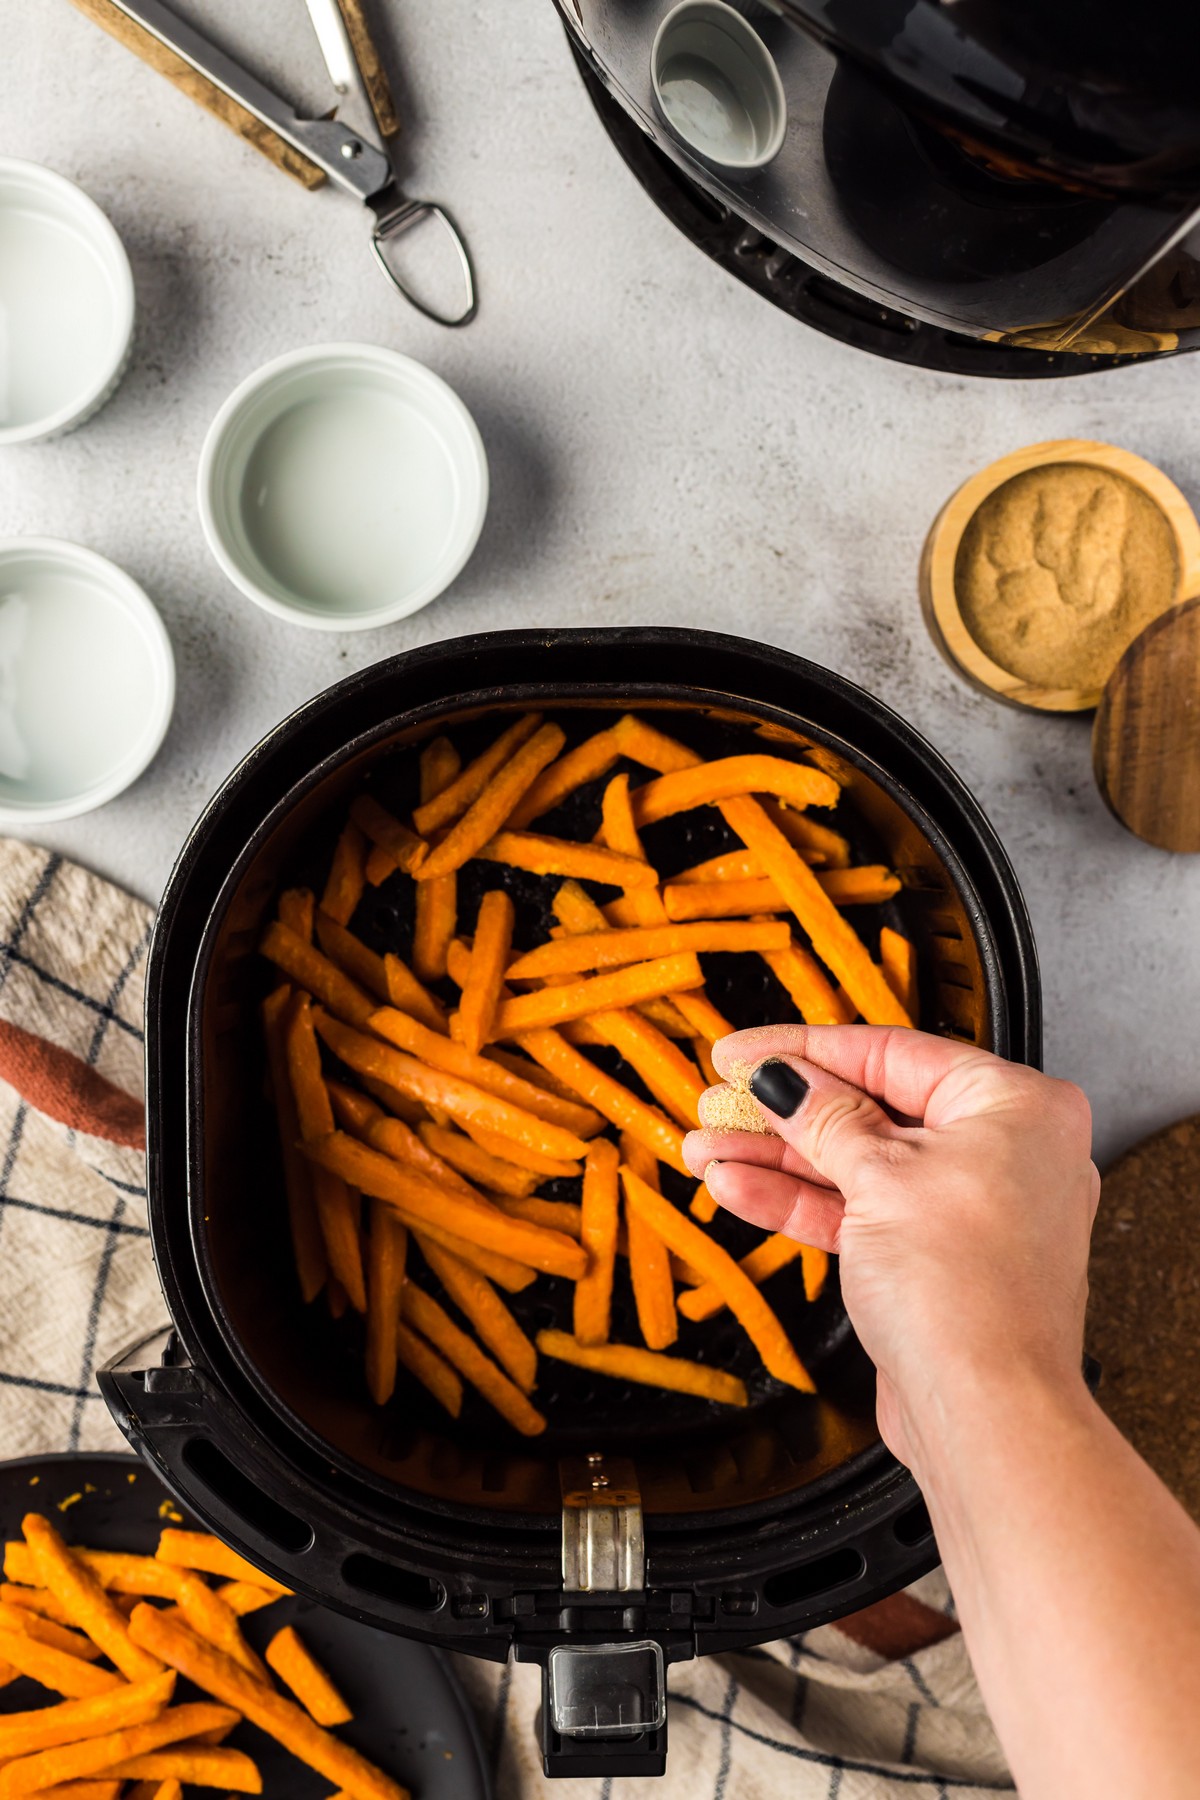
column 957, row 1189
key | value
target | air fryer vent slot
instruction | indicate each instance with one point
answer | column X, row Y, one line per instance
column 264, row 1516
column 913, row 1526
column 820, row 1576
column 388, row 1581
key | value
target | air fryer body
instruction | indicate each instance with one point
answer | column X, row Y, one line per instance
column 1030, row 184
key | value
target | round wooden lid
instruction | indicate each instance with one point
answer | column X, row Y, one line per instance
column 1146, row 739
column 1143, row 1320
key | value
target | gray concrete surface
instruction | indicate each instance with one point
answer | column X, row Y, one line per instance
column 664, row 447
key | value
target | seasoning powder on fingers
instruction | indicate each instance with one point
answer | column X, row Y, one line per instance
column 1060, row 569
column 733, row 1107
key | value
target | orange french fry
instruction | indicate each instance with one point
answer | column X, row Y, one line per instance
column 337, row 1212
column 833, row 938
column 649, row 1260
column 497, row 1173
column 555, row 1215
column 478, row 1301
column 716, row 1265
column 113, row 1569
column 298, row 1668
column 406, row 850
column 221, row 1677
column 355, row 1113
column 434, row 1323
column 347, row 875
column 702, row 1206
column 310, row 970
column 28, row 1624
column 485, row 976
column 409, row 995
column 352, row 957
column 808, row 835
column 387, row 1243
column 431, row 1370
column 598, row 1235
column 33, row 1599
column 197, row 1764
column 645, row 744
column 200, row 1550
column 867, row 886
column 90, row 1608
column 811, row 992
column 407, row 1034
column 898, row 959
column 455, row 799
column 461, row 1099
column 609, row 949
column 436, row 916
column 105, row 1788
column 733, row 865
column 514, row 1277
column 380, row 866
column 539, row 1077
column 774, row 1253
column 475, row 1220
column 702, row 1050
column 23, row 1733
column 308, row 1247
column 667, row 1072
column 607, row 1095
column 561, row 856
column 601, row 993
column 586, row 762
column 296, row 911
column 489, row 812
column 56, row 1669
column 647, row 1367
column 798, row 784
column 98, row 1755
column 244, row 1597
column 548, row 1167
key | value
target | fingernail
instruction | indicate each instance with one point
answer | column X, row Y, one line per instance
column 777, row 1086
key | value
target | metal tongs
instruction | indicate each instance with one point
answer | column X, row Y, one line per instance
column 325, row 147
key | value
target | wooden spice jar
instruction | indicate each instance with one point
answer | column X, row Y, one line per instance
column 1042, row 568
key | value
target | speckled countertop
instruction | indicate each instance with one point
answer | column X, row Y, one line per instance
column 664, row 447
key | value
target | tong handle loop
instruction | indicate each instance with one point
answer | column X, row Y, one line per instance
column 402, row 218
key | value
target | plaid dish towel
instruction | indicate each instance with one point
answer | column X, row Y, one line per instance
column 881, row 1706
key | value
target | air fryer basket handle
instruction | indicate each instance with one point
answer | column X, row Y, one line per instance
column 604, row 1710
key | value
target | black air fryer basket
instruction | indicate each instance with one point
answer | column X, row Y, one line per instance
column 731, row 1528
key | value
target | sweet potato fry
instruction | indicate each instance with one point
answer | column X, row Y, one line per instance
column 555, row 1215
column 649, row 1261
column 210, row 1617
column 465, row 789
column 387, row 1243
column 336, row 1208
column 297, row 910
column 745, row 1302
column 89, row 1607
column 220, row 1676
column 434, row 1323
column 23, row 1733
column 113, row 1569
column 694, row 900
column 489, row 812
column 809, row 836
column 812, row 993
column 298, row 1668
column 560, row 856
column 733, row 865
column 410, row 995
column 44, row 1631
column 436, row 916
column 702, row 1051
column 797, row 783
column 196, row 1764
column 898, row 960
column 347, row 876
column 478, row 1301
column 647, row 1367
column 308, row 1247
column 613, row 949
column 549, row 1167
column 667, row 1072
column 833, row 939
column 200, row 1550
column 485, row 977
column 103, row 1788
column 475, row 1220
column 601, row 993
column 430, row 1369
column 586, row 762
column 702, row 1206
column 408, row 1034
column 461, row 1099
column 774, row 1253
column 98, row 1755
column 463, row 1154
column 33, row 1599
column 514, row 1277
column 312, row 971
column 352, row 957
column 359, row 1115
column 598, row 1234
column 607, row 1095
column 244, row 1597
column 539, row 1077
column 406, row 849
column 644, row 744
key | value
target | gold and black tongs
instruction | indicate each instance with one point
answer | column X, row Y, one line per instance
column 310, row 150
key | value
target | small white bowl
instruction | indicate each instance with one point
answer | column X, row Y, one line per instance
column 87, row 680
column 66, row 304
column 343, row 487
column 717, row 86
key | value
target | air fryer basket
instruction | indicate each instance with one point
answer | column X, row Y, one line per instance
column 758, row 1523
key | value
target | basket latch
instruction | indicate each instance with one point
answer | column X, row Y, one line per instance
column 603, row 1547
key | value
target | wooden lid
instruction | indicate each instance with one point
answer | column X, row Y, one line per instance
column 1146, row 739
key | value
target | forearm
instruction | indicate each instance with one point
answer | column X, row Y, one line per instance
column 1077, row 1580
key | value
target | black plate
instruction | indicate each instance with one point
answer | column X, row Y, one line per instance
column 410, row 1715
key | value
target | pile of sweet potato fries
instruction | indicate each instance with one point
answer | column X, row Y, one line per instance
column 455, row 1118
column 81, row 1623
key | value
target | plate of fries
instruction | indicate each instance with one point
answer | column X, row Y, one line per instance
column 142, row 1659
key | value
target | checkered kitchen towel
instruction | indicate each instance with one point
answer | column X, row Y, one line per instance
column 881, row 1706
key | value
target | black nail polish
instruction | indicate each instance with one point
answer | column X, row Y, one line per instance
column 777, row 1086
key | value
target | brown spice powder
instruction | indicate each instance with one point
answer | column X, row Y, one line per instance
column 733, row 1107
column 1060, row 568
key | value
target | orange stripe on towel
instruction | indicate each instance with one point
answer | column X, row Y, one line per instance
column 63, row 1087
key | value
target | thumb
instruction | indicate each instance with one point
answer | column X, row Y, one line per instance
column 838, row 1128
